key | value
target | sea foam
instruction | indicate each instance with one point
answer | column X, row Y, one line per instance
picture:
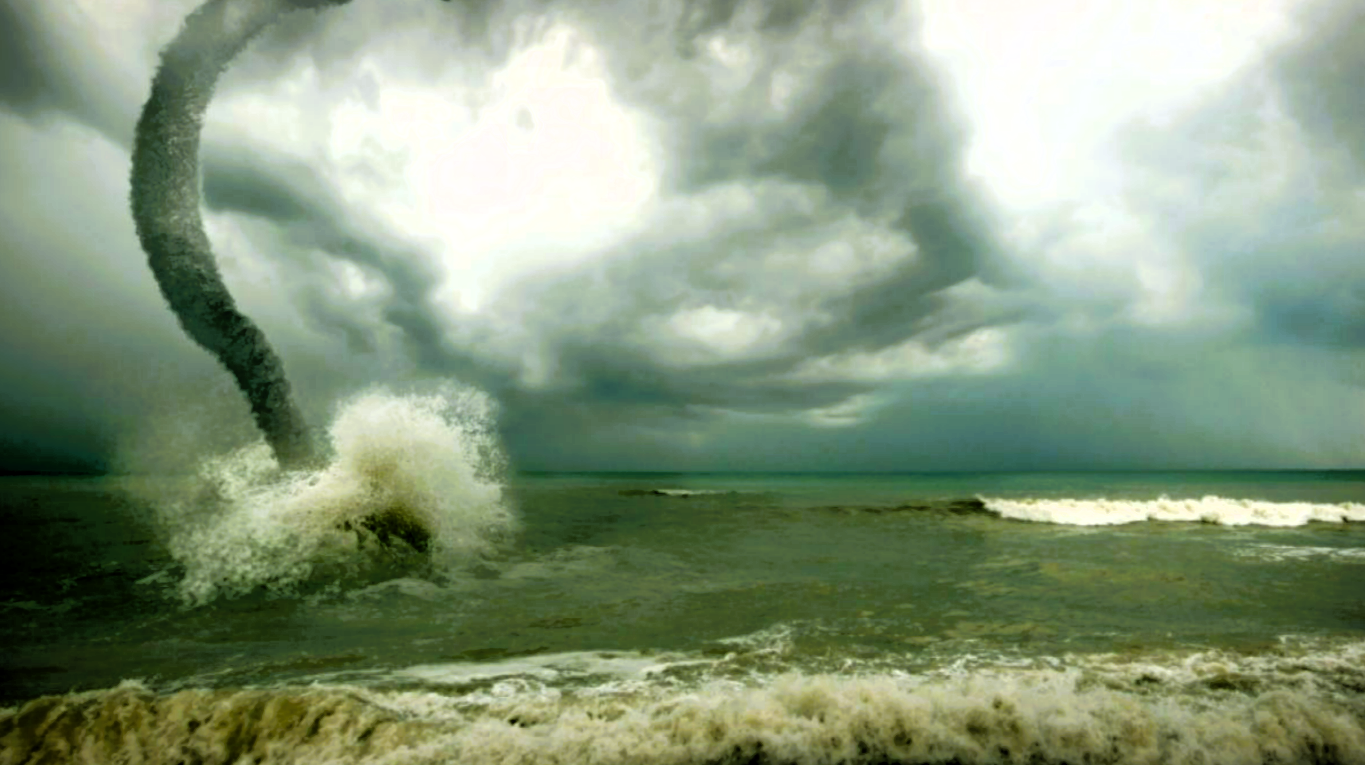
column 430, row 460
column 1210, row 509
column 1284, row 706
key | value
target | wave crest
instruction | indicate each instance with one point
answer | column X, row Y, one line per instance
column 1284, row 707
column 427, row 463
column 1210, row 509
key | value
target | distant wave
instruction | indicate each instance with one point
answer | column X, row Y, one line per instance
column 681, row 493
column 971, row 506
column 1283, row 706
column 1288, row 553
column 1215, row 510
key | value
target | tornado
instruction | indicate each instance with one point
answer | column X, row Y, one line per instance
column 165, row 200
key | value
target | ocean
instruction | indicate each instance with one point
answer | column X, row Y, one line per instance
column 235, row 616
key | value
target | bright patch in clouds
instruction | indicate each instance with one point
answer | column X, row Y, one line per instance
column 537, row 169
column 1050, row 88
column 1045, row 84
column 851, row 411
column 552, row 170
column 724, row 332
column 979, row 352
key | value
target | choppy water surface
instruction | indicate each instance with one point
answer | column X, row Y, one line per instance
column 680, row 618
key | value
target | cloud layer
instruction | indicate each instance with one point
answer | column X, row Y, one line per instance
column 721, row 235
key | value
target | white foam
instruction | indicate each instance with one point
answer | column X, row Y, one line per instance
column 1294, row 703
column 690, row 492
column 557, row 666
column 774, row 639
column 1285, row 553
column 1209, row 509
column 430, row 458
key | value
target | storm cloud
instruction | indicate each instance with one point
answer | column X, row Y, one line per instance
column 748, row 235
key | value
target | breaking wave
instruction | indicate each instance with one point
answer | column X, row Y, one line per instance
column 1283, row 706
column 1216, row 510
column 427, row 466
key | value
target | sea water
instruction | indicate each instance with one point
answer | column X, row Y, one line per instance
column 241, row 615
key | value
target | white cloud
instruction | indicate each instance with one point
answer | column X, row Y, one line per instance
column 980, row 352
column 1046, row 84
column 852, row 411
column 723, row 332
column 538, row 168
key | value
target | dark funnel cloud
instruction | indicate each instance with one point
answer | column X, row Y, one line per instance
column 165, row 202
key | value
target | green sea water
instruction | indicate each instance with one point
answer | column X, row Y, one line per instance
column 1202, row 593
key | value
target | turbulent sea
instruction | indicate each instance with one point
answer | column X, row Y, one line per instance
column 236, row 616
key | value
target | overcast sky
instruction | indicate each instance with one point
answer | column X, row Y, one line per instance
column 783, row 234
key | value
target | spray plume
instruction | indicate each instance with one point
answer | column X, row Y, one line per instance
column 165, row 204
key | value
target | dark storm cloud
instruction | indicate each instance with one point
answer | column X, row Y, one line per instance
column 1321, row 75
column 56, row 73
column 40, row 67
column 866, row 153
column 42, row 432
column 28, row 65
column 813, row 213
column 1081, row 406
column 50, row 68
column 1320, row 79
column 909, row 301
column 88, row 352
column 1332, row 315
column 866, row 145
